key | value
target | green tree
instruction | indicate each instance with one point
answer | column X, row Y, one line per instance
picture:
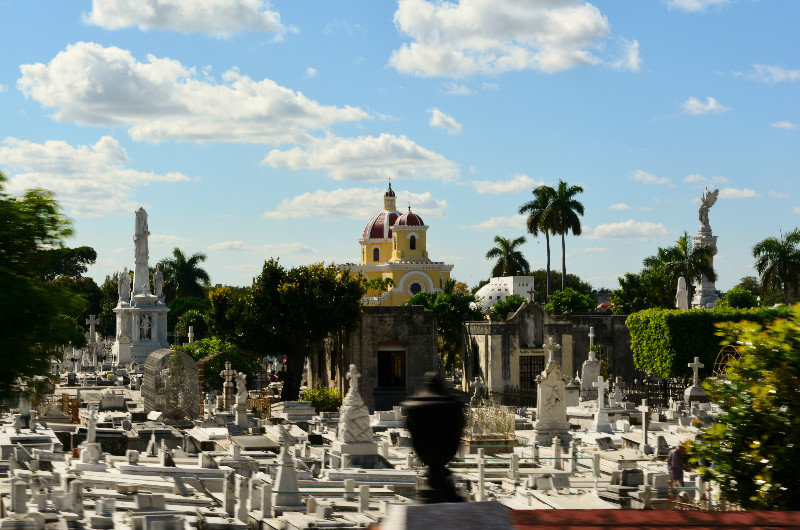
column 778, row 261
column 227, row 305
column 195, row 319
column 451, row 306
column 87, row 289
column 738, row 298
column 683, row 259
column 641, row 291
column 183, row 276
column 565, row 212
column 503, row 308
column 38, row 317
column 221, row 351
column 179, row 306
column 510, row 261
column 751, row 450
column 64, row 261
column 569, row 301
column 286, row 311
column 540, row 220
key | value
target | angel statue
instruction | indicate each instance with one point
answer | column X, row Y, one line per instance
column 706, row 202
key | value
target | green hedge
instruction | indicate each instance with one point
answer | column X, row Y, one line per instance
column 664, row 341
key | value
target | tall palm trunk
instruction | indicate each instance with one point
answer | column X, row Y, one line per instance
column 549, row 290
column 563, row 264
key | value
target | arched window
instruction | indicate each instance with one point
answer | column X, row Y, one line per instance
column 376, row 254
column 415, row 288
column 412, row 242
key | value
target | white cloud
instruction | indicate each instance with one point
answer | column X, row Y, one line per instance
column 444, row 121
column 700, row 180
column 514, row 184
column 2, row 89
column 694, row 5
column 644, row 208
column 311, row 73
column 466, row 37
column 162, row 99
column 694, row 178
column 695, row 107
column 352, row 203
column 630, row 59
column 778, row 195
column 282, row 248
column 344, row 26
column 456, row 89
column 785, row 125
column 769, row 73
column 647, row 178
column 796, row 210
column 629, row 229
column 734, row 193
column 501, row 224
column 490, row 86
column 166, row 239
column 366, row 158
column 214, row 17
column 89, row 179
column 619, row 206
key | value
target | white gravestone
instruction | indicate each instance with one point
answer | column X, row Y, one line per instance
column 551, row 406
column 354, row 435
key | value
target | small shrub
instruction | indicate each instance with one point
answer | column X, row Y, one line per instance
column 738, row 298
column 502, row 308
column 323, row 398
column 569, row 301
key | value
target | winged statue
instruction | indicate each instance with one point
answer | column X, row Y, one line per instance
column 706, row 202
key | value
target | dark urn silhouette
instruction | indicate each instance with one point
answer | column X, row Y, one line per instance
column 435, row 419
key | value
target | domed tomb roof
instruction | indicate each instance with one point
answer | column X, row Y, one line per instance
column 409, row 219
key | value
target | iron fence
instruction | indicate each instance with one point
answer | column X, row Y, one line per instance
column 514, row 396
column 656, row 392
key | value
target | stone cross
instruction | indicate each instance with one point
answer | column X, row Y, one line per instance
column 91, row 426
column 695, row 366
column 550, row 347
column 591, row 337
column 601, row 386
column 618, row 390
column 353, row 375
column 92, row 322
column 286, row 442
column 644, row 409
column 191, row 334
column 228, row 373
column 531, row 293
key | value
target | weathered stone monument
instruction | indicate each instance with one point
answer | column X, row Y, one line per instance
column 705, row 294
column 601, row 422
column 682, row 294
column 141, row 315
column 354, row 435
column 171, row 385
column 287, row 495
column 695, row 393
column 590, row 370
column 241, row 401
column 551, row 406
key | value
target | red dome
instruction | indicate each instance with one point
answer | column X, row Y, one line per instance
column 409, row 219
column 389, row 192
column 378, row 227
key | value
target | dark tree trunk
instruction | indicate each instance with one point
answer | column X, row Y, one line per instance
column 563, row 264
column 549, row 291
column 786, row 293
column 294, row 373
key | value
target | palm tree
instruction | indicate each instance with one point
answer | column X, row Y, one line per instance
column 563, row 215
column 778, row 260
column 539, row 220
column 510, row 261
column 183, row 276
column 683, row 259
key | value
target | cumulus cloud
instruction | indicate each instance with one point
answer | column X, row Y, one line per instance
column 695, row 107
column 2, row 89
column 778, row 195
column 647, row 178
column 90, row 180
column 700, row 181
column 352, row 203
column 630, row 59
column 466, row 37
column 629, row 229
column 500, row 224
column 311, row 73
column 366, row 158
column 619, row 206
column 734, row 193
column 785, row 125
column 166, row 239
column 514, row 184
column 444, row 121
column 213, row 17
column 160, row 98
column 456, row 89
column 694, row 5
column 282, row 248
column 770, row 73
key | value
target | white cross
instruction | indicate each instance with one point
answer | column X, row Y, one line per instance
column 644, row 409
column 551, row 346
column 353, row 375
column 601, row 386
column 591, row 337
column 696, row 365
column 191, row 334
column 92, row 322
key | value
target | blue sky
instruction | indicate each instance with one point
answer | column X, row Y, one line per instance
column 251, row 129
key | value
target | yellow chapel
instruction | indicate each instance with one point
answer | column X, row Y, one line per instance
column 394, row 245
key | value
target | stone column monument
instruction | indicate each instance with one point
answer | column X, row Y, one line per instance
column 141, row 315
column 705, row 294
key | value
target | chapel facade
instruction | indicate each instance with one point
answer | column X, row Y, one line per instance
column 394, row 246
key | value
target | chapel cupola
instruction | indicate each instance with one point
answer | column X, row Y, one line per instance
column 389, row 199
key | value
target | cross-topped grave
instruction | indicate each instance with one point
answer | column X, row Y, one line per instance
column 695, row 366
column 601, row 385
column 531, row 293
column 92, row 321
column 227, row 387
column 552, row 349
column 591, row 337
column 645, row 410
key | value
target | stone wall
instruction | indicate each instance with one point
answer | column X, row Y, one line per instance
column 397, row 328
column 171, row 385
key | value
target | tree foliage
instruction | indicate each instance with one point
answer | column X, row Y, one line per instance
column 183, row 275
column 510, row 261
column 64, row 261
column 751, row 451
column 738, row 298
column 569, row 301
column 540, row 220
column 778, row 262
column 502, row 308
column 195, row 319
column 641, row 291
column 38, row 317
column 223, row 351
column 682, row 259
column 565, row 212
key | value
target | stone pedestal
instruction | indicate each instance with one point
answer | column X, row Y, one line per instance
column 705, row 294
column 551, row 408
column 694, row 394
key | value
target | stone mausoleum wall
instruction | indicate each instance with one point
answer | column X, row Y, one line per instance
column 171, row 385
